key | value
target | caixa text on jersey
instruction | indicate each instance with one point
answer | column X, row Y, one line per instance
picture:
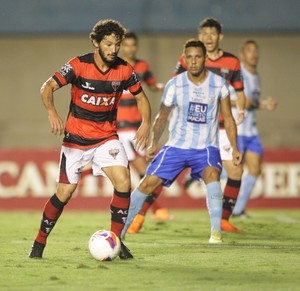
column 98, row 100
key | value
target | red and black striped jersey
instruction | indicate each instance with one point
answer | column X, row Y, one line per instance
column 95, row 97
column 129, row 117
column 227, row 66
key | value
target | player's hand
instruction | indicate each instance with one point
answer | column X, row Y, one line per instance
column 56, row 123
column 241, row 117
column 236, row 157
column 160, row 87
column 271, row 103
column 142, row 137
column 150, row 152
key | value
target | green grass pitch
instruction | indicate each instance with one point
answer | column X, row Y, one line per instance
column 172, row 255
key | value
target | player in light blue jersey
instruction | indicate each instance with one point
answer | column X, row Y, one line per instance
column 196, row 98
column 248, row 137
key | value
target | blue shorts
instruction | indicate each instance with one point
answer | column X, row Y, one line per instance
column 251, row 143
column 171, row 161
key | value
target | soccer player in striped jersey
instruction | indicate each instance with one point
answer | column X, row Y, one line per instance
column 128, row 121
column 228, row 66
column 196, row 97
column 248, row 137
column 97, row 80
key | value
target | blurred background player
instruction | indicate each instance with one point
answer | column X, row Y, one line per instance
column 248, row 137
column 228, row 66
column 196, row 97
column 128, row 121
column 97, row 81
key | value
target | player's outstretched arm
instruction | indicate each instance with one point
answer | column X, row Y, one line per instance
column 47, row 90
column 158, row 128
column 231, row 130
column 142, row 135
column 268, row 104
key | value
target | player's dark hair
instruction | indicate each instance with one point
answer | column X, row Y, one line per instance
column 107, row 27
column 131, row 34
column 195, row 43
column 210, row 22
column 249, row 41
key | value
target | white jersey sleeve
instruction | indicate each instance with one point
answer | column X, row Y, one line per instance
column 233, row 95
column 224, row 92
column 169, row 95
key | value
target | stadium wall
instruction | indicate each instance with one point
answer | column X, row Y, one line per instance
column 28, row 179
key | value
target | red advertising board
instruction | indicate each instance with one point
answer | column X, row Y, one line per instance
column 28, row 179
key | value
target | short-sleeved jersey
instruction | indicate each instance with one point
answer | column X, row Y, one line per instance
column 194, row 122
column 252, row 90
column 129, row 117
column 227, row 66
column 95, row 96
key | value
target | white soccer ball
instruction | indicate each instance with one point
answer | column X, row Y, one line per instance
column 104, row 245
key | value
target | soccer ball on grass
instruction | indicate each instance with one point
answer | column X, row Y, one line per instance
column 104, row 245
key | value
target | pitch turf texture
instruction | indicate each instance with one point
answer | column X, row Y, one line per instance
column 172, row 255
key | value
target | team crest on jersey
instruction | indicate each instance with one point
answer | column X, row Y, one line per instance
column 227, row 148
column 65, row 69
column 224, row 72
column 114, row 152
column 115, row 85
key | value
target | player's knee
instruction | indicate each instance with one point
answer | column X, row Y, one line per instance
column 123, row 184
column 149, row 184
column 65, row 192
column 254, row 171
column 235, row 172
column 211, row 174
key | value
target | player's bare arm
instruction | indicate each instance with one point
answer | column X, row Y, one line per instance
column 158, row 128
column 158, row 87
column 231, row 130
column 241, row 103
column 142, row 135
column 268, row 104
column 47, row 90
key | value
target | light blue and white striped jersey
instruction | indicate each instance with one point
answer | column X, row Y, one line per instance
column 251, row 90
column 194, row 121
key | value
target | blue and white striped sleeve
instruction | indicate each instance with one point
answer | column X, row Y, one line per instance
column 225, row 91
column 169, row 95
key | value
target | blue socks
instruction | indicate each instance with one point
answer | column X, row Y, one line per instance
column 137, row 200
column 214, row 201
column 247, row 186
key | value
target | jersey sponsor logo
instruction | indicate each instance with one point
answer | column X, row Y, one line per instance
column 114, row 152
column 197, row 112
column 98, row 100
column 88, row 86
column 65, row 69
column 115, row 85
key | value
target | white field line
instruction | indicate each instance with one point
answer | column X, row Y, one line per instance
column 287, row 219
